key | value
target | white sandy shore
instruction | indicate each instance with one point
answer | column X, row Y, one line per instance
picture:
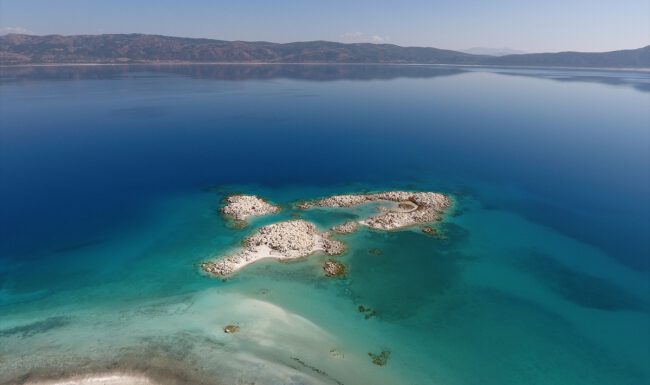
column 99, row 379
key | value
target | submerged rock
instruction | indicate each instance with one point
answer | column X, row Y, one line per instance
column 368, row 312
column 380, row 359
column 430, row 231
column 375, row 251
column 237, row 224
column 302, row 205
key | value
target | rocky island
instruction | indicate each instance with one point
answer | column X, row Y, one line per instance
column 282, row 240
column 403, row 208
column 298, row 238
column 242, row 207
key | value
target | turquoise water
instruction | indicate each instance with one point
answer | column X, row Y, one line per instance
column 112, row 178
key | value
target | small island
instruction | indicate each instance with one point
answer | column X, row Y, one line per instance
column 283, row 241
column 404, row 209
column 243, row 207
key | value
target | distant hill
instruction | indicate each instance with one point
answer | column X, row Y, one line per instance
column 138, row 48
column 492, row 51
column 630, row 58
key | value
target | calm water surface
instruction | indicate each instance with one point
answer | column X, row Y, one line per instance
column 111, row 179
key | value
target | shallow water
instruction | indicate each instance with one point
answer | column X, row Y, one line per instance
column 112, row 178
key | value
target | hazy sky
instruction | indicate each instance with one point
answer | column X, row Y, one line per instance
column 543, row 25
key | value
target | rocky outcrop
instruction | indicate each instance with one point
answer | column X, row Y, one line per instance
column 430, row 231
column 282, row 240
column 345, row 228
column 333, row 268
column 242, row 207
column 411, row 208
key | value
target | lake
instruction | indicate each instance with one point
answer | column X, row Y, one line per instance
column 111, row 180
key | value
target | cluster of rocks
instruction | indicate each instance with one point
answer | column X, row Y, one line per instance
column 241, row 207
column 282, row 240
column 345, row 228
column 431, row 231
column 333, row 268
column 292, row 238
column 412, row 207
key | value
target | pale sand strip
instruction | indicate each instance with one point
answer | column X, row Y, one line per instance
column 99, row 379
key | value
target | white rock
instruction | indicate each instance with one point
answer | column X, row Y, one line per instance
column 425, row 207
column 241, row 207
column 282, row 240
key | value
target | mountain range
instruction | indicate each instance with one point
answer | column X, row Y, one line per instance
column 18, row 49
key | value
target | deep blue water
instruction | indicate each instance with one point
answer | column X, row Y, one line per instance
column 89, row 155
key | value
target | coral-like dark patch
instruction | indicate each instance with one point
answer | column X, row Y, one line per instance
column 77, row 246
column 368, row 312
column 375, row 251
column 38, row 327
column 578, row 287
column 453, row 235
column 380, row 359
column 316, row 370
